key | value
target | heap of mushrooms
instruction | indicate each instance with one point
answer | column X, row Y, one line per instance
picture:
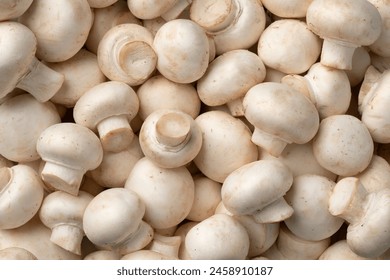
column 203, row 129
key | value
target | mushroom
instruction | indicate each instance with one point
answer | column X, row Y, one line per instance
column 113, row 221
column 146, row 255
column 168, row 193
column 21, row 195
column 11, row 9
column 289, row 9
column 343, row 145
column 229, row 77
column 16, row 253
column 380, row 46
column 116, row 166
column 182, row 231
column 170, row 138
column 107, row 109
column 103, row 255
column 20, row 68
column 288, row 46
column 281, row 115
column 150, row 9
column 165, row 245
column 344, row 26
column 367, row 215
column 69, row 151
column 125, row 54
column 233, row 24
column 182, row 48
column 101, row 3
column 219, row 237
column 257, row 189
column 63, row 214
column 311, row 220
column 81, row 72
column 106, row 18
column 22, row 119
column 328, row 88
column 61, row 27
column 340, row 251
column 226, row 145
column 160, row 93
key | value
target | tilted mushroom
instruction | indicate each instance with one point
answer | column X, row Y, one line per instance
column 281, row 115
column 69, row 151
column 107, row 109
column 20, row 68
column 11, row 9
column 125, row 54
column 170, row 138
column 63, row 214
column 21, row 195
column 344, row 26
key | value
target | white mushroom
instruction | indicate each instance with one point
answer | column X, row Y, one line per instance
column 380, row 46
column 340, row 251
column 15, row 253
column 11, row 9
column 287, row 9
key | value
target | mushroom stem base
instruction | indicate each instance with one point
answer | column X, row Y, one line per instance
column 270, row 143
column 115, row 133
column 337, row 54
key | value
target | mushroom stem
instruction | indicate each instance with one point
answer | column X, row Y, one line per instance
column 348, row 200
column 337, row 54
column 137, row 240
column 62, row 178
column 115, row 133
column 5, row 177
column 176, row 10
column 236, row 107
column 272, row 144
column 173, row 130
column 41, row 81
column 166, row 245
column 277, row 211
column 68, row 237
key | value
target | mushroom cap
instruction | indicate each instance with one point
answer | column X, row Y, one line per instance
column 343, row 145
column 176, row 126
column 22, row 120
column 168, row 194
column 61, row 27
column 255, row 185
column 340, row 251
column 287, row 9
column 60, row 208
column 182, row 48
column 112, row 216
column 71, row 145
column 150, row 9
column 281, row 111
column 226, row 145
column 230, row 76
column 219, row 237
column 17, row 47
column 103, row 101
column 357, row 22
column 377, row 174
column 11, row 9
column 311, row 220
column 289, row 46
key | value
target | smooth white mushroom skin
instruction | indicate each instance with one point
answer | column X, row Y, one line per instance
column 287, row 9
column 15, row 253
column 340, row 251
column 11, row 9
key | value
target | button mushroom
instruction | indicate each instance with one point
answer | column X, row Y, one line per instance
column 107, row 109
column 287, row 9
column 11, row 9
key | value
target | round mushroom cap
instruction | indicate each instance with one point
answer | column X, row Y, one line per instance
column 256, row 185
column 103, row 101
column 357, row 22
column 71, row 145
column 112, row 216
column 17, row 47
column 280, row 110
column 22, row 120
column 11, row 9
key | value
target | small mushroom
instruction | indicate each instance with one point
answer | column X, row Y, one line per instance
column 69, row 151
column 20, row 68
column 21, row 195
column 107, row 109
column 16, row 253
column 233, row 24
column 311, row 220
column 22, row 119
column 343, row 145
column 226, row 145
column 368, row 233
column 126, row 54
column 219, row 237
column 11, row 9
column 113, row 221
column 170, row 138
column 344, row 26
column 229, row 77
column 61, row 27
column 288, row 46
column 63, row 214
column 287, row 9
column 257, row 189
column 168, row 193
column 182, row 48
column 281, row 115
